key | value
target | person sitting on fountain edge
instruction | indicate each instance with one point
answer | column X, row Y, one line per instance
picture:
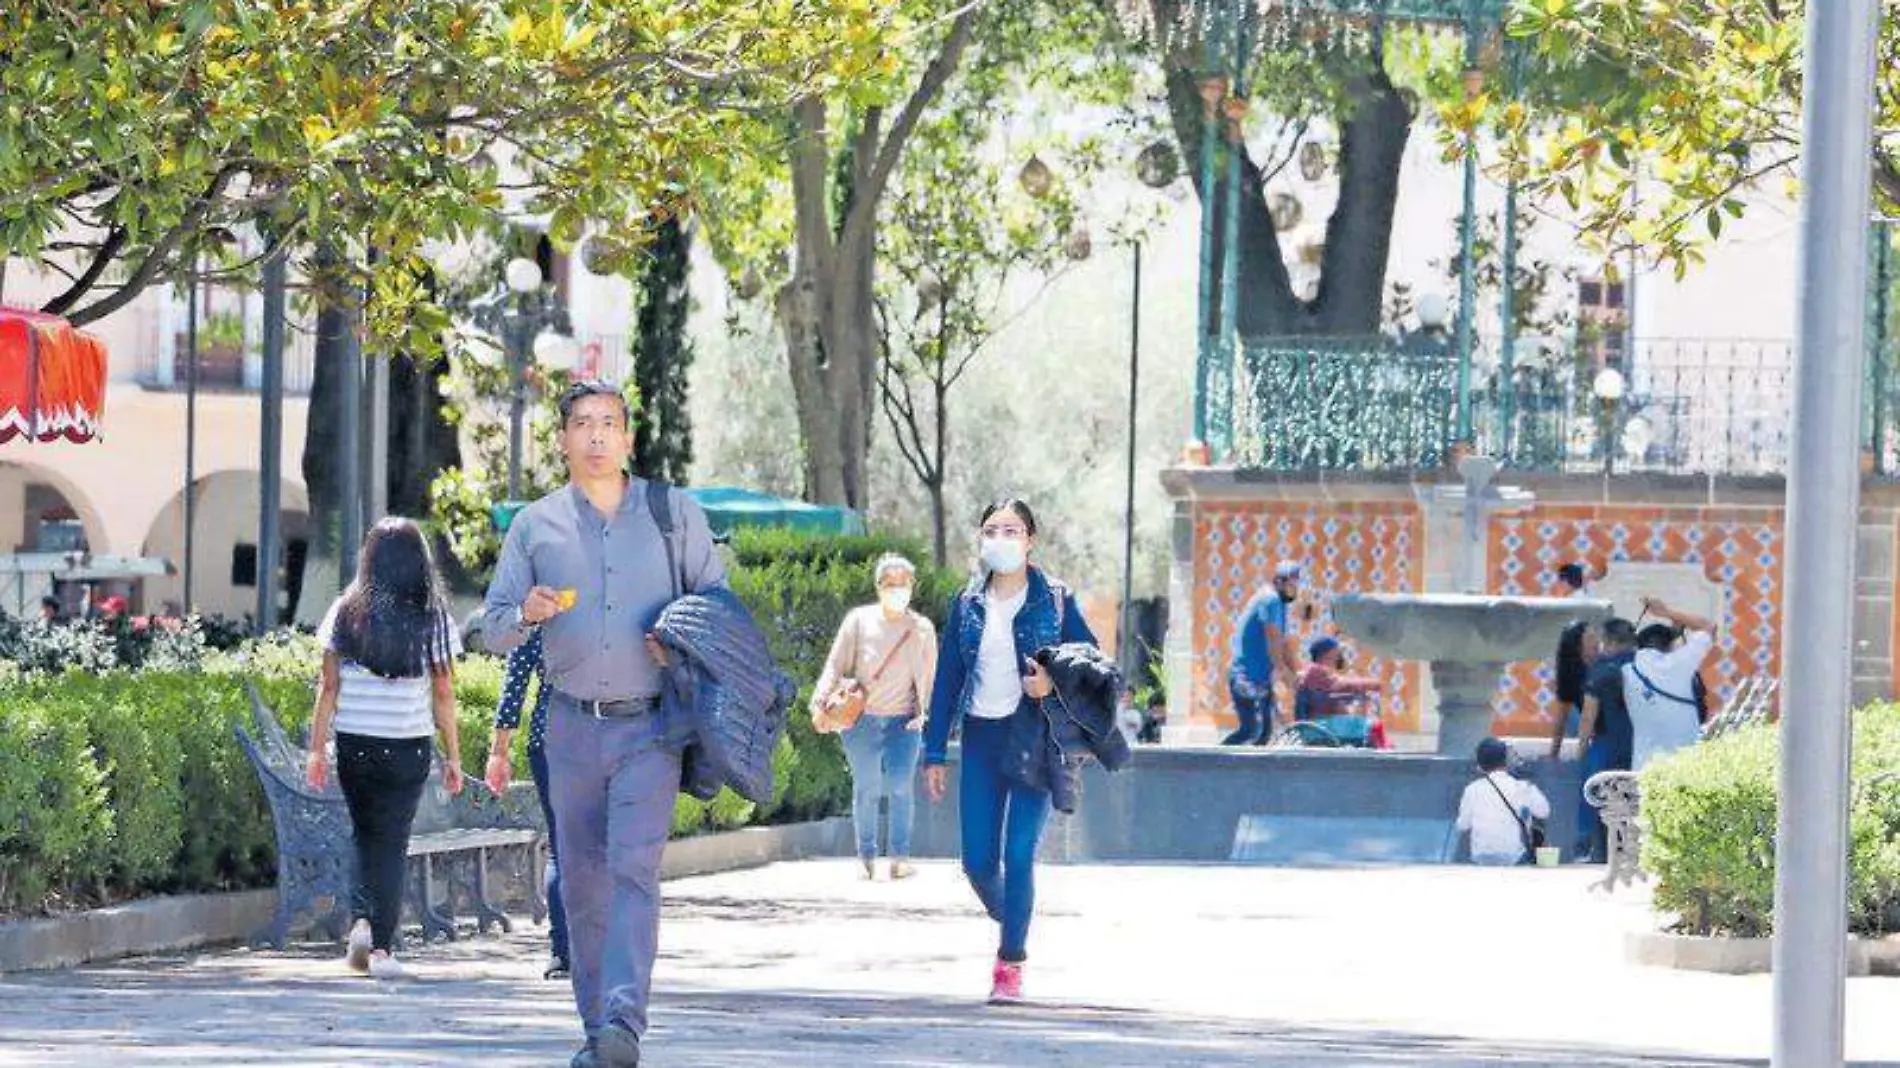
column 1263, row 643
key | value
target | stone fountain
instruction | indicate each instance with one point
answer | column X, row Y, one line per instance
column 1467, row 638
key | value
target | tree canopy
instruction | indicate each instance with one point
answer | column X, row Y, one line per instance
column 136, row 135
column 1677, row 111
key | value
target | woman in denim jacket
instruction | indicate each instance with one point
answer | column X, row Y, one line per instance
column 987, row 681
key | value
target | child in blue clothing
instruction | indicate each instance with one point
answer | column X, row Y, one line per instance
column 524, row 664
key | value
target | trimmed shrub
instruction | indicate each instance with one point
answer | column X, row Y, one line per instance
column 118, row 783
column 1709, row 817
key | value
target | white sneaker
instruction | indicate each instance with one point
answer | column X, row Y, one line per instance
column 357, row 956
column 384, row 966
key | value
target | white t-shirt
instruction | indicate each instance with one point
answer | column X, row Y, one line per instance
column 371, row 705
column 1663, row 713
column 1493, row 824
column 999, row 675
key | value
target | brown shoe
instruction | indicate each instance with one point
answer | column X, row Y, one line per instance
column 902, row 869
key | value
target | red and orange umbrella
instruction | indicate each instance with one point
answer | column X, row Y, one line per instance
column 52, row 378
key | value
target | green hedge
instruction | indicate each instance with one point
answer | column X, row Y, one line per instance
column 117, row 783
column 1709, row 819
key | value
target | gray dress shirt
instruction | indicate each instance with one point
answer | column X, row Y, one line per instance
column 596, row 650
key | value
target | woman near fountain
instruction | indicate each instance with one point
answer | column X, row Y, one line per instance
column 988, row 682
column 1576, row 651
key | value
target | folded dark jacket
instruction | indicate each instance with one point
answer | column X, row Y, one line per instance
column 1083, row 708
column 724, row 697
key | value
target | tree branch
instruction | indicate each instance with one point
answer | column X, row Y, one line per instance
column 155, row 260
column 102, row 258
column 935, row 77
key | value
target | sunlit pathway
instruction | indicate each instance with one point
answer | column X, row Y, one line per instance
column 802, row 964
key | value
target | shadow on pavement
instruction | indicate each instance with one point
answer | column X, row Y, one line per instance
column 164, row 1013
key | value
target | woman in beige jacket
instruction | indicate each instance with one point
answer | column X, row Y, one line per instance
column 891, row 652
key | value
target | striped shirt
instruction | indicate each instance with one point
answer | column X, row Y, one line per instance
column 369, row 704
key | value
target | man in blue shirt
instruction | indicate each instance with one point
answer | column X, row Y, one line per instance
column 588, row 568
column 1262, row 643
column 1605, row 732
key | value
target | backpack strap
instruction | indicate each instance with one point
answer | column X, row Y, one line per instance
column 660, row 504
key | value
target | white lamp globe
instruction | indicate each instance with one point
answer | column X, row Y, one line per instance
column 1608, row 385
column 1432, row 311
column 523, row 275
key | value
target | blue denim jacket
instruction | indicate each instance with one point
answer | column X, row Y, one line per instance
column 1039, row 624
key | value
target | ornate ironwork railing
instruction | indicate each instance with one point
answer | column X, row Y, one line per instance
column 1343, row 406
column 1701, row 407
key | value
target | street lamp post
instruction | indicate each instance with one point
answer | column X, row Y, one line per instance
column 534, row 328
column 1608, row 387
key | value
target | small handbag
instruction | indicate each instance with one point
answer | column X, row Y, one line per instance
column 844, row 705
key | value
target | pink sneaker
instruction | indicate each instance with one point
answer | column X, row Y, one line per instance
column 1006, row 983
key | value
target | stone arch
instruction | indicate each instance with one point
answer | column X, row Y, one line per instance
column 224, row 544
column 39, row 508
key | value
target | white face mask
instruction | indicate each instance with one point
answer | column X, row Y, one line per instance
column 1005, row 556
column 895, row 599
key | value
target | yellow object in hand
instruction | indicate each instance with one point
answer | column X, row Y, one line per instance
column 567, row 597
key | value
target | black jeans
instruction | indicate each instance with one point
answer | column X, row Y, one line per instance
column 382, row 779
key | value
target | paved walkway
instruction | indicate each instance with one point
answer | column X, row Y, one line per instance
column 803, row 965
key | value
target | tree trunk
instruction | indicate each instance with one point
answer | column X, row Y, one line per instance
column 663, row 442
column 422, row 443
column 817, row 409
column 320, row 476
column 1359, row 233
column 939, row 472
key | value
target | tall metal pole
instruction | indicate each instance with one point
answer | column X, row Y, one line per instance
column 1130, row 666
column 515, row 337
column 1877, row 349
column 1213, row 194
column 1220, row 439
column 191, row 437
column 1810, row 951
column 1507, row 353
column 1467, row 241
column 271, row 478
column 376, row 417
column 349, row 436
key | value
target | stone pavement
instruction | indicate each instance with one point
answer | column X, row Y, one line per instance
column 802, row 964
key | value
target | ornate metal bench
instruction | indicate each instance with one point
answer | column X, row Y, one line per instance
column 1618, row 795
column 315, row 859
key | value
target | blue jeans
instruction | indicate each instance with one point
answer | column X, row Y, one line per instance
column 612, row 782
column 1591, row 842
column 1002, row 823
column 1256, row 713
column 557, row 912
column 883, row 752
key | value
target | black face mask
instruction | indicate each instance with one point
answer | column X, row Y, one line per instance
column 1287, row 596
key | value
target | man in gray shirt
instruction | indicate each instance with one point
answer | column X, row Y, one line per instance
column 585, row 565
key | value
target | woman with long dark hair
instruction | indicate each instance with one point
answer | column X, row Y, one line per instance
column 1576, row 649
column 389, row 649
column 988, row 682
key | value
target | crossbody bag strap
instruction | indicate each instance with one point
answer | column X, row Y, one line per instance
column 1523, row 828
column 1659, row 691
column 890, row 656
